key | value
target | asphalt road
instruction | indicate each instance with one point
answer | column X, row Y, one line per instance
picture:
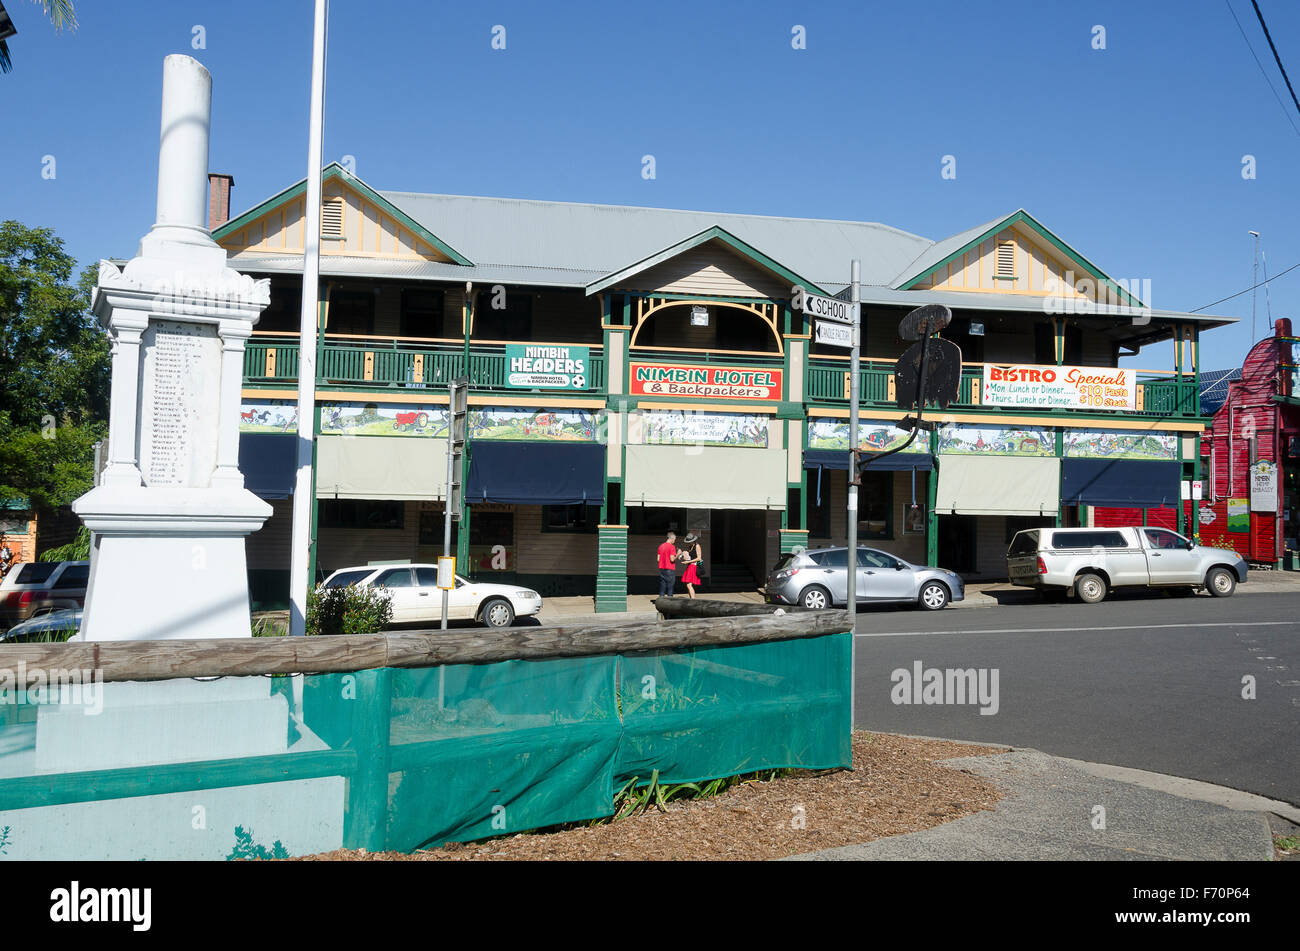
column 1152, row 682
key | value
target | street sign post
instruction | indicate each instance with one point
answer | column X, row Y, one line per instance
column 855, row 478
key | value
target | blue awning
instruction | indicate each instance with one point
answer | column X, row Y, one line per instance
column 536, row 473
column 1123, row 483
column 839, row 459
column 269, row 462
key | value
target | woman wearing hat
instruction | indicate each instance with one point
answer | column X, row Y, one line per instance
column 692, row 555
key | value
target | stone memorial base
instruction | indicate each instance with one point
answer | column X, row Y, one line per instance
column 168, row 563
column 124, row 725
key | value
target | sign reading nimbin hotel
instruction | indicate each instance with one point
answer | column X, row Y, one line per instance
column 1065, row 387
column 727, row 383
column 548, row 367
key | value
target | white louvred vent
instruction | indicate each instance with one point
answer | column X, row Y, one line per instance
column 1006, row 259
column 331, row 218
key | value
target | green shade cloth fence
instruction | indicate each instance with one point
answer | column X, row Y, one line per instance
column 458, row 753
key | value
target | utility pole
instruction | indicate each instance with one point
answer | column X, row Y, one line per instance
column 1254, row 280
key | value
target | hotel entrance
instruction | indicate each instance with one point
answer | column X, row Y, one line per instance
column 738, row 559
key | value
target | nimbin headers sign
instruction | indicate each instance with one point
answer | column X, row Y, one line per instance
column 548, row 367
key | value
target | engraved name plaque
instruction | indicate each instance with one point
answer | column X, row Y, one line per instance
column 180, row 376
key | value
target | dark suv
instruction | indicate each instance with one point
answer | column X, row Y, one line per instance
column 36, row 587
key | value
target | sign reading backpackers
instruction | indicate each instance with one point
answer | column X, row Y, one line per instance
column 1064, row 387
column 548, row 367
column 727, row 383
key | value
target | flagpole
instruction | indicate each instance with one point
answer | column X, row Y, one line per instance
column 304, row 490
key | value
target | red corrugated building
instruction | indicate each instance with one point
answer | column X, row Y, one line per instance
column 1250, row 454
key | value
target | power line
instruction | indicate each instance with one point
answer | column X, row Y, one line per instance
column 1277, row 59
column 1246, row 291
column 1285, row 111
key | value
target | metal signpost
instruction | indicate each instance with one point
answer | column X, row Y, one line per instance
column 839, row 324
column 458, row 404
column 855, row 479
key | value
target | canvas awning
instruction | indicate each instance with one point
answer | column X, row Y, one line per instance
column 269, row 462
column 839, row 459
column 536, row 473
column 1004, row 485
column 1121, row 483
column 712, row 477
column 381, row 467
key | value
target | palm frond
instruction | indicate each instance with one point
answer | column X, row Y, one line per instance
column 60, row 13
column 6, row 64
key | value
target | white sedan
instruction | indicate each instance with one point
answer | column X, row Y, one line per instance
column 417, row 597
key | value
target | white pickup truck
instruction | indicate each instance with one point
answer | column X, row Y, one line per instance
column 1088, row 562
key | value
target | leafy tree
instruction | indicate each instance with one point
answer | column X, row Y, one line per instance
column 54, row 370
column 60, row 13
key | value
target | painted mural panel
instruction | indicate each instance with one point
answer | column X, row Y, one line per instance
column 873, row 435
column 268, row 416
column 956, row 439
column 1120, row 444
column 526, row 424
column 673, row 428
column 380, row 419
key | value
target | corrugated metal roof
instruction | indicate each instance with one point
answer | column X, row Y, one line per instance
column 571, row 244
column 965, row 300
column 342, row 265
column 606, row 238
column 932, row 256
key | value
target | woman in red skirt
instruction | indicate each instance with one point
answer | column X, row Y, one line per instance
column 693, row 556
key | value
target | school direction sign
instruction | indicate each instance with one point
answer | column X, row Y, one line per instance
column 828, row 308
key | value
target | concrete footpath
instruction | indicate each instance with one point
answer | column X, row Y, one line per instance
column 582, row 610
column 1061, row 809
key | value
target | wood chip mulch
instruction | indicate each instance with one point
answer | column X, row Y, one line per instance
column 897, row 786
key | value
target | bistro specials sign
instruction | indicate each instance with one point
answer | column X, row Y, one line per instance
column 720, row 382
column 1065, row 387
column 548, row 367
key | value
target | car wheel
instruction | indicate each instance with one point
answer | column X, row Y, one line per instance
column 934, row 596
column 815, row 597
column 498, row 613
column 1220, row 582
column 1090, row 588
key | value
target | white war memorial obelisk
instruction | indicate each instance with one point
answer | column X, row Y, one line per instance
column 170, row 512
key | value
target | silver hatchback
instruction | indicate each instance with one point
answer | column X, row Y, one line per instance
column 818, row 578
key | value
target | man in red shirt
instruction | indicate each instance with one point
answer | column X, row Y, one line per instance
column 667, row 566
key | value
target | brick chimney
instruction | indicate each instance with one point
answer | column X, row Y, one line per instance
column 219, row 187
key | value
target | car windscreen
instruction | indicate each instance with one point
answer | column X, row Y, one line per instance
column 35, row 572
column 1025, row 543
column 345, row 578
column 784, row 560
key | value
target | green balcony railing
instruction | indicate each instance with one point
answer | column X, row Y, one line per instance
column 828, row 383
column 392, row 364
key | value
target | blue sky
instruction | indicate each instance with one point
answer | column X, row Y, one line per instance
column 1132, row 154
